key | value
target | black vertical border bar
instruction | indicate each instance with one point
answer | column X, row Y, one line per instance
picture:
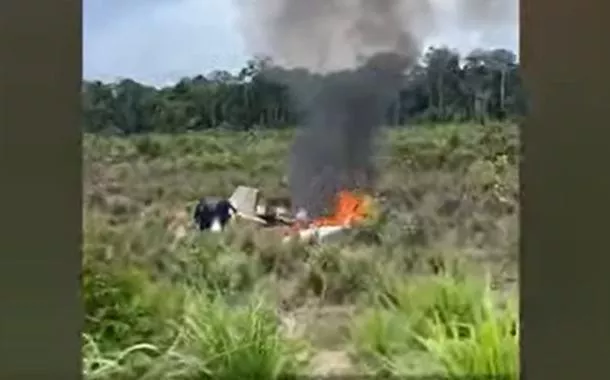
column 565, row 256
column 40, row 189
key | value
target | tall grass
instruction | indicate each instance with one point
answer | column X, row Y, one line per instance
column 211, row 339
column 99, row 365
column 236, row 342
column 457, row 326
column 165, row 301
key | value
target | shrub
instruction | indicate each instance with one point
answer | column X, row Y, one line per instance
column 442, row 323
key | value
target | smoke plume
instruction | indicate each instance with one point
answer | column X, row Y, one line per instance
column 343, row 61
column 341, row 111
column 331, row 35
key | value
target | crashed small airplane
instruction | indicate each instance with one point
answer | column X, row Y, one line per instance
column 351, row 209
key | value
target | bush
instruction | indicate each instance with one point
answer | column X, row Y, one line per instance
column 439, row 324
column 215, row 340
column 227, row 342
column 125, row 308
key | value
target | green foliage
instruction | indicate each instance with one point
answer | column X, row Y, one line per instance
column 487, row 346
column 126, row 308
column 228, row 342
column 123, row 364
column 486, row 86
column 456, row 324
column 165, row 301
column 213, row 340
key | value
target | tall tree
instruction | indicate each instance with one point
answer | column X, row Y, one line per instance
column 485, row 85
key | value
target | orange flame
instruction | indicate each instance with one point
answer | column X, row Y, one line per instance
column 350, row 209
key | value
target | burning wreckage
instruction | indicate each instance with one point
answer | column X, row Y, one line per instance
column 331, row 159
column 351, row 209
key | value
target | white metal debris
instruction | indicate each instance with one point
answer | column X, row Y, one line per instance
column 245, row 200
column 319, row 234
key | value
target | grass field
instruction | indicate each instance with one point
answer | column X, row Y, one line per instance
column 430, row 287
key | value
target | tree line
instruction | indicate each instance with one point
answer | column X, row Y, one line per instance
column 482, row 86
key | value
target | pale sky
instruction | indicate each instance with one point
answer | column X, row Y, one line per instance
column 160, row 41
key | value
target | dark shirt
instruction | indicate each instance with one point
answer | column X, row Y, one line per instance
column 207, row 211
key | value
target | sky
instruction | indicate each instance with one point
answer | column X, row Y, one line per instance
column 157, row 42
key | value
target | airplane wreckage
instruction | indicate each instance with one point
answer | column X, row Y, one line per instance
column 350, row 210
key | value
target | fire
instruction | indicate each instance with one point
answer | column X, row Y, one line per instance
column 350, row 209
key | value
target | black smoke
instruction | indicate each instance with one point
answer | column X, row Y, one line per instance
column 341, row 113
column 343, row 61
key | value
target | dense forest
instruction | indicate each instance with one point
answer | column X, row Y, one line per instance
column 482, row 86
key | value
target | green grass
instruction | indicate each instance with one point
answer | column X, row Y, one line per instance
column 422, row 290
column 455, row 326
column 212, row 339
